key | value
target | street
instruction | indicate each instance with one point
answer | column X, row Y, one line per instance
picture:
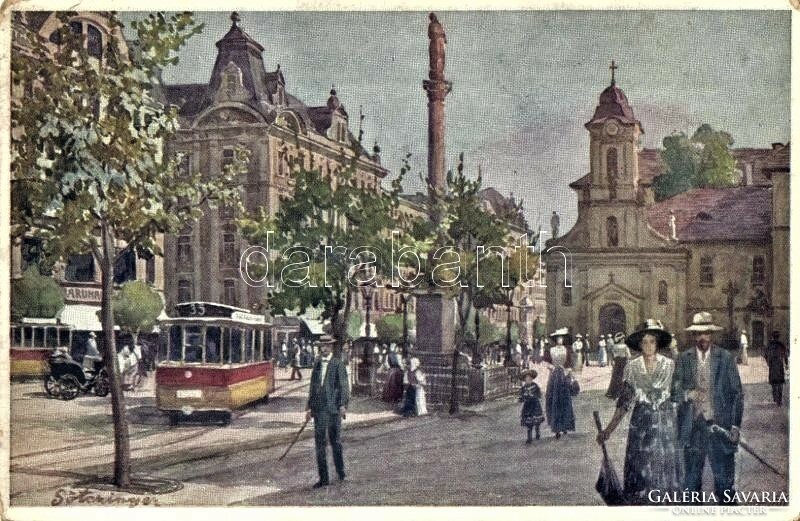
column 477, row 457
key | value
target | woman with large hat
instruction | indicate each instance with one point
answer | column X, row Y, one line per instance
column 652, row 459
column 560, row 386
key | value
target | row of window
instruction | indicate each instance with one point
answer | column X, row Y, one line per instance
column 757, row 278
column 228, row 255
column 215, row 345
column 186, row 291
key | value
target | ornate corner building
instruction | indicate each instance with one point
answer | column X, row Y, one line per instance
column 244, row 105
column 628, row 258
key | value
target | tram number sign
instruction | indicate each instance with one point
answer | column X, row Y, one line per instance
column 189, row 393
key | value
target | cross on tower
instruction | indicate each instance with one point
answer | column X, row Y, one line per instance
column 613, row 68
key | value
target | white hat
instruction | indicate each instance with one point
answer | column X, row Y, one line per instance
column 578, row 336
column 560, row 332
column 703, row 322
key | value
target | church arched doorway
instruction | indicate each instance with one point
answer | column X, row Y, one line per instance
column 612, row 319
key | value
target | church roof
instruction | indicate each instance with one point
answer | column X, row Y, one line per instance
column 613, row 105
column 651, row 165
column 742, row 213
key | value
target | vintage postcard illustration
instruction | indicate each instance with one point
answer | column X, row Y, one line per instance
column 405, row 258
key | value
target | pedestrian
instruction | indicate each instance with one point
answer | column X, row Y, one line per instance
column 531, row 416
column 652, row 459
column 577, row 353
column 141, row 364
column 127, row 367
column 283, row 360
column 587, row 350
column 708, row 389
column 602, row 354
column 92, row 354
column 743, row 347
column 777, row 360
column 393, row 387
column 561, row 387
column 327, row 404
column 620, row 352
column 295, row 361
column 415, row 403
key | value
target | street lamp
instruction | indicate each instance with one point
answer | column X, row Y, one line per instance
column 367, row 291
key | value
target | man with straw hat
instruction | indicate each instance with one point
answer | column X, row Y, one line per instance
column 708, row 390
column 327, row 403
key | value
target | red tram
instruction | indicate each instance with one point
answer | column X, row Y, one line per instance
column 213, row 358
column 32, row 342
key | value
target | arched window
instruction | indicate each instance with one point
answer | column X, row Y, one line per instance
column 662, row 292
column 612, row 172
column 612, row 231
column 94, row 41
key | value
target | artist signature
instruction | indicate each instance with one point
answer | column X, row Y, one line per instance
column 84, row 497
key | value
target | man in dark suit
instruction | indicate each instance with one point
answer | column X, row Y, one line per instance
column 327, row 403
column 708, row 390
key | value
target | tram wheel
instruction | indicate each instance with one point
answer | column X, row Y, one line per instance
column 174, row 417
column 51, row 386
column 225, row 418
column 70, row 387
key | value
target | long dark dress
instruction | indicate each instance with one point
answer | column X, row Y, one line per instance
column 653, row 460
column 558, row 401
column 617, row 383
column 393, row 388
column 776, row 358
column 531, row 397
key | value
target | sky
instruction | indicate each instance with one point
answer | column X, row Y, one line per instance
column 524, row 82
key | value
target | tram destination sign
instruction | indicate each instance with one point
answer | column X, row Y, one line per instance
column 208, row 309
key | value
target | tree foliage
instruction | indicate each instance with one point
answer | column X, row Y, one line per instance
column 136, row 307
column 89, row 172
column 389, row 328
column 331, row 235
column 35, row 296
column 702, row 161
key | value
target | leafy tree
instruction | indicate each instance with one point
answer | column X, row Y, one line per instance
column 319, row 231
column 89, row 172
column 390, row 328
column 35, row 296
column 704, row 160
column 136, row 307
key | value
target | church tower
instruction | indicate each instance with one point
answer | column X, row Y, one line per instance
column 614, row 139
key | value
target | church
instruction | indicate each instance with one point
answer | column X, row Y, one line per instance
column 629, row 258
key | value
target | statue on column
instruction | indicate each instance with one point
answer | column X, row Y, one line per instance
column 554, row 222
column 436, row 48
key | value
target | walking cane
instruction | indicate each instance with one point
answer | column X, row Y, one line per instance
column 747, row 448
column 296, row 437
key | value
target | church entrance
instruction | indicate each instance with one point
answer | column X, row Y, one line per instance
column 612, row 319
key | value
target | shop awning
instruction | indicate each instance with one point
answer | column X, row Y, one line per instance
column 82, row 317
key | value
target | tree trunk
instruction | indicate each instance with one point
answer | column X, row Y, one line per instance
column 122, row 464
column 508, row 334
column 476, row 355
column 405, row 326
column 454, row 384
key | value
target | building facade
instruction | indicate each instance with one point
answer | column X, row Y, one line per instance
column 628, row 258
column 244, row 105
column 79, row 274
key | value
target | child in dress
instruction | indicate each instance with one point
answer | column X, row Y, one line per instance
column 531, row 397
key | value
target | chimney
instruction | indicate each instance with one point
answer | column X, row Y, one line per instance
column 748, row 174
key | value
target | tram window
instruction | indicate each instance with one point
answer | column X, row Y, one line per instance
column 257, row 347
column 16, row 336
column 27, row 341
column 236, row 345
column 194, row 344
column 51, row 337
column 226, row 345
column 63, row 337
column 248, row 345
column 38, row 337
column 212, row 345
column 175, row 343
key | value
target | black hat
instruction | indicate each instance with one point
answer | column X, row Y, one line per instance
column 649, row 327
column 529, row 372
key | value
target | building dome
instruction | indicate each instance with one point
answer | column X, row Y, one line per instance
column 613, row 104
